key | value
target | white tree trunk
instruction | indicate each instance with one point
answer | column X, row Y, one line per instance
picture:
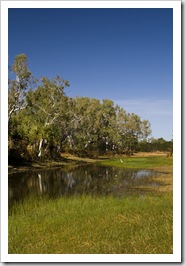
column 40, row 148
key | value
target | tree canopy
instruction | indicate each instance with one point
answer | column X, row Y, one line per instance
column 44, row 121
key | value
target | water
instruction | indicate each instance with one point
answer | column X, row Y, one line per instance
column 89, row 179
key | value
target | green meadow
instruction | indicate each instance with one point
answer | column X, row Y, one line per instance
column 145, row 162
column 134, row 224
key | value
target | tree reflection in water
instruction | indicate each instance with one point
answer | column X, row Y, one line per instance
column 89, row 179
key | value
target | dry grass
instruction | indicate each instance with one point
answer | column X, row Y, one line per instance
column 149, row 154
column 72, row 157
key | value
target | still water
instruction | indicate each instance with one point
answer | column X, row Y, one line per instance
column 89, row 179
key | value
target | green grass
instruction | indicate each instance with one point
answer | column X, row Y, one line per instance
column 138, row 162
column 104, row 225
column 98, row 225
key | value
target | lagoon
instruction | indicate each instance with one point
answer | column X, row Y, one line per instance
column 87, row 179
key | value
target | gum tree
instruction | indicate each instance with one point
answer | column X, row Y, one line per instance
column 47, row 104
column 18, row 88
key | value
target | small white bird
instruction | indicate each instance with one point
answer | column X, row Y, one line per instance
column 121, row 160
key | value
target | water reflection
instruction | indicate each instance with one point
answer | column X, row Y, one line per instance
column 89, row 179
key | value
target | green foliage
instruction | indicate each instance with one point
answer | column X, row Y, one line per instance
column 49, row 121
column 17, row 88
column 153, row 144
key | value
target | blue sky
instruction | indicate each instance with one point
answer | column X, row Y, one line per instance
column 125, row 55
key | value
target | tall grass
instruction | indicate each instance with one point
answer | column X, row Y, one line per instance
column 98, row 225
column 92, row 225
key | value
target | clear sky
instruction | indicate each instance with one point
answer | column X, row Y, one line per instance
column 125, row 55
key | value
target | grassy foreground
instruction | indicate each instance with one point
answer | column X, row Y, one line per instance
column 98, row 225
column 93, row 225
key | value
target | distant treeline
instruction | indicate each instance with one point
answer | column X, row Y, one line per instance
column 152, row 145
column 44, row 121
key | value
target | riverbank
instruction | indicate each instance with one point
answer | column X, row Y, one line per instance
column 158, row 162
column 134, row 224
column 48, row 164
column 72, row 160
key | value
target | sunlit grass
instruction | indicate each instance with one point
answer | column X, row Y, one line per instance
column 92, row 225
column 136, row 224
column 138, row 162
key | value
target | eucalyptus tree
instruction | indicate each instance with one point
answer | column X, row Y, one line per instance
column 18, row 87
column 83, row 117
column 47, row 120
column 130, row 129
column 19, row 83
column 107, row 125
column 90, row 123
column 46, row 107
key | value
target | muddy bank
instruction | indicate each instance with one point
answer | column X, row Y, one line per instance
column 43, row 165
